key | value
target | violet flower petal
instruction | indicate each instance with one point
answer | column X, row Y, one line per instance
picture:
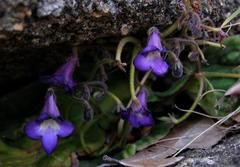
column 31, row 129
column 63, row 76
column 66, row 128
column 49, row 125
column 49, row 140
column 134, row 121
column 43, row 116
column 68, row 68
column 150, row 57
column 146, row 119
column 142, row 97
column 60, row 81
column 125, row 114
column 50, row 106
column 140, row 119
column 158, row 65
column 141, row 63
column 154, row 43
column 137, row 114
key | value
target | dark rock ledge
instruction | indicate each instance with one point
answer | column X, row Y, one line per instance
column 36, row 35
column 40, row 23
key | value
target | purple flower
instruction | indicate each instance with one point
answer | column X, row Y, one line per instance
column 49, row 125
column 137, row 114
column 150, row 57
column 63, row 76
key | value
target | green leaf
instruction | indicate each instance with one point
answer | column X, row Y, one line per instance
column 119, row 87
column 160, row 130
column 70, row 108
column 12, row 156
column 209, row 101
column 225, row 56
column 92, row 137
column 218, row 82
column 129, row 151
column 93, row 162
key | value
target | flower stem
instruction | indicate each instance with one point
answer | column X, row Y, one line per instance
column 116, row 99
column 170, row 29
column 120, row 46
column 195, row 44
column 123, row 129
column 219, row 74
column 122, row 123
column 132, row 86
column 209, row 28
column 224, row 24
column 231, row 25
column 194, row 105
column 132, row 75
column 144, row 79
column 120, row 127
column 213, row 44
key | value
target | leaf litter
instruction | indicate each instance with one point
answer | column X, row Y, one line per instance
column 196, row 133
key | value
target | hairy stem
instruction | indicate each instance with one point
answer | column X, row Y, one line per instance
column 144, row 79
column 120, row 46
column 132, row 75
column 209, row 43
column 170, row 29
column 219, row 74
column 116, row 99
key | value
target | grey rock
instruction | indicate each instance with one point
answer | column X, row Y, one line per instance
column 224, row 154
column 50, row 7
column 25, row 23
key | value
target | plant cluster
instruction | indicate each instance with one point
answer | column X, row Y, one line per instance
column 119, row 116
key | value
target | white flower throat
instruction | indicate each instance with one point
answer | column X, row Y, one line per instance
column 49, row 123
column 154, row 54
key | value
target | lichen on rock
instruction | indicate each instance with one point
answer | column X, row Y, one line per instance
column 47, row 7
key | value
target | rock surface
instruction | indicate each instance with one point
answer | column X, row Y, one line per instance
column 224, row 154
column 40, row 23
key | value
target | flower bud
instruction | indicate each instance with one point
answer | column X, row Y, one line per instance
column 177, row 69
column 88, row 112
column 194, row 24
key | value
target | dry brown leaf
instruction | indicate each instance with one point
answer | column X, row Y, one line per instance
column 236, row 118
column 151, row 162
column 233, row 90
column 179, row 137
